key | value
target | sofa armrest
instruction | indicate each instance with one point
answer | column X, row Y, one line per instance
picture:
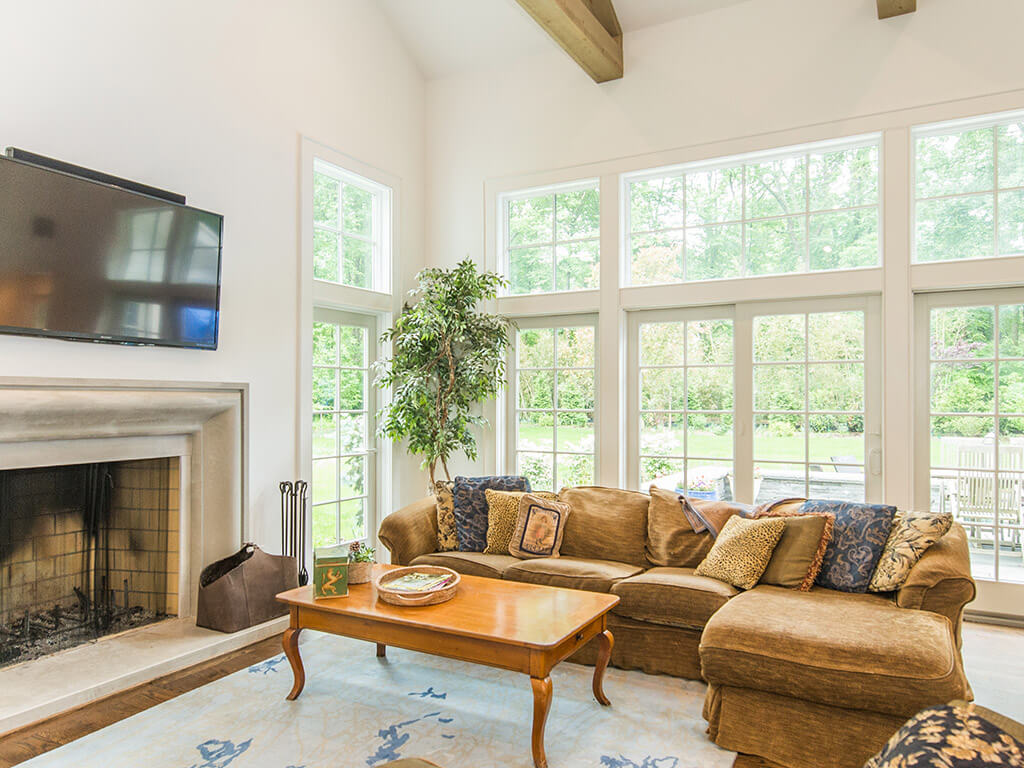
column 411, row 531
column 941, row 581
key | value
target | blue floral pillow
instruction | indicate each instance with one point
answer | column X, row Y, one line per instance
column 858, row 540
column 471, row 506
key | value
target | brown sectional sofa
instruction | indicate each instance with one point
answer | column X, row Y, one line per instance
column 817, row 679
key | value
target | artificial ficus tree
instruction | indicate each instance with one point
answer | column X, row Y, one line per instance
column 447, row 356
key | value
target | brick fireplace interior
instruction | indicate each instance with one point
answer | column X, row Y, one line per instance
column 86, row 550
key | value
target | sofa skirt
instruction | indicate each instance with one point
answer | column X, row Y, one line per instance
column 652, row 648
column 793, row 733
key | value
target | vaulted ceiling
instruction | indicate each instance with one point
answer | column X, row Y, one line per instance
column 449, row 36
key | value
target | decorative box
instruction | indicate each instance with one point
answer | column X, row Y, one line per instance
column 330, row 572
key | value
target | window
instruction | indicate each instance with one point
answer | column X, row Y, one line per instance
column 350, row 244
column 343, row 408
column 969, row 190
column 686, row 406
column 974, row 376
column 552, row 239
column 809, row 405
column 553, row 403
column 801, row 210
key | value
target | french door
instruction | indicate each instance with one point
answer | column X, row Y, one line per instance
column 969, row 450
column 758, row 401
column 344, row 459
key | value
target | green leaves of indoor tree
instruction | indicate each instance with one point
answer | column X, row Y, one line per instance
column 446, row 357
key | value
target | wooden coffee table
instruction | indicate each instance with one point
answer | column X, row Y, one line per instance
column 525, row 628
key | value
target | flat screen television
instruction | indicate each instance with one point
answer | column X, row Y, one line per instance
column 89, row 261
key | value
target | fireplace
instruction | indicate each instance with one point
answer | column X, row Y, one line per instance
column 86, row 550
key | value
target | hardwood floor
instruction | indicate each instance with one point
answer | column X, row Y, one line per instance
column 32, row 740
column 992, row 658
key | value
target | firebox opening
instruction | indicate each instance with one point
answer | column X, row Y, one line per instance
column 86, row 550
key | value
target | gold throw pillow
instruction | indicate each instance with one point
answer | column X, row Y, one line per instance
column 742, row 550
column 502, row 512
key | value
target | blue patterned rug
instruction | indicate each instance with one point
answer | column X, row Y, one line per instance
column 357, row 710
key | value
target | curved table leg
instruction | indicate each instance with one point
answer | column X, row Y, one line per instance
column 607, row 642
column 541, row 706
column 290, row 641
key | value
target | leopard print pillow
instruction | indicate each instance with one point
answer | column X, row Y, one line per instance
column 444, row 497
column 742, row 550
column 502, row 512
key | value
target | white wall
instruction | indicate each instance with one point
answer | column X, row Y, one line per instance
column 751, row 68
column 210, row 99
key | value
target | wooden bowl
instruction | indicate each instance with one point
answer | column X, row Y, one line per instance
column 430, row 597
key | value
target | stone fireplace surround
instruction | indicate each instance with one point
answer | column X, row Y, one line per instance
column 50, row 422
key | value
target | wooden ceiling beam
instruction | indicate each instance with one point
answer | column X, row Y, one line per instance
column 889, row 8
column 588, row 30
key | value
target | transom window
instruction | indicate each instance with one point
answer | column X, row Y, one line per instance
column 552, row 239
column 349, row 240
column 686, row 406
column 801, row 210
column 969, row 190
column 554, row 401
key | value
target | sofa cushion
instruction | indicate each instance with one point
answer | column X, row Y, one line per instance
column 502, row 513
column 675, row 597
column 540, row 526
column 797, row 558
column 469, row 563
column 912, row 533
column 856, row 651
column 605, row 524
column 671, row 540
column 571, row 572
column 447, row 540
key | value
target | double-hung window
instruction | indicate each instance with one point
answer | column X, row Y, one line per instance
column 805, row 209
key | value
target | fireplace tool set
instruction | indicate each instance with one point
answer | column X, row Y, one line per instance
column 293, row 524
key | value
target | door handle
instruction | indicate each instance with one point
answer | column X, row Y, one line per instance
column 875, row 461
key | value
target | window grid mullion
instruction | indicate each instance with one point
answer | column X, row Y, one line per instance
column 995, row 225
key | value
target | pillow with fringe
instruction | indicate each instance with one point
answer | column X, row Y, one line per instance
column 800, row 552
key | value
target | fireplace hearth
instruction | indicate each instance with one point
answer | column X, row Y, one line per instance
column 86, row 551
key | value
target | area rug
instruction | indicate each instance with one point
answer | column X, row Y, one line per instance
column 358, row 710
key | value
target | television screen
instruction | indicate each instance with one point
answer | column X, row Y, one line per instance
column 85, row 260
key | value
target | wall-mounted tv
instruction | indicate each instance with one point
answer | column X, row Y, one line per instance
column 91, row 261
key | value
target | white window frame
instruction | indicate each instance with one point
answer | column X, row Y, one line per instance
column 380, row 234
column 994, row 597
column 379, row 305
column 743, row 316
column 741, row 161
column 511, row 396
column 504, row 248
column 992, row 121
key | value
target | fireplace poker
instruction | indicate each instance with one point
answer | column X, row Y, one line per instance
column 285, row 488
column 301, row 487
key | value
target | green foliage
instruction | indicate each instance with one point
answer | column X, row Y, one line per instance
column 358, row 552
column 446, row 358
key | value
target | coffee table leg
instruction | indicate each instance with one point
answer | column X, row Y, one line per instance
column 607, row 642
column 290, row 641
column 381, row 650
column 541, row 706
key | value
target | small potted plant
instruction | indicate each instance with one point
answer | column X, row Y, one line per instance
column 702, row 487
column 360, row 559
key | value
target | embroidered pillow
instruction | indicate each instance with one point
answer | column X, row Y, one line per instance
column 858, row 538
column 502, row 513
column 539, row 527
column 797, row 558
column 949, row 737
column 471, row 507
column 445, row 501
column 742, row 550
column 912, row 533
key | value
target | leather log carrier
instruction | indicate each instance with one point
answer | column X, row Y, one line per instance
column 239, row 591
